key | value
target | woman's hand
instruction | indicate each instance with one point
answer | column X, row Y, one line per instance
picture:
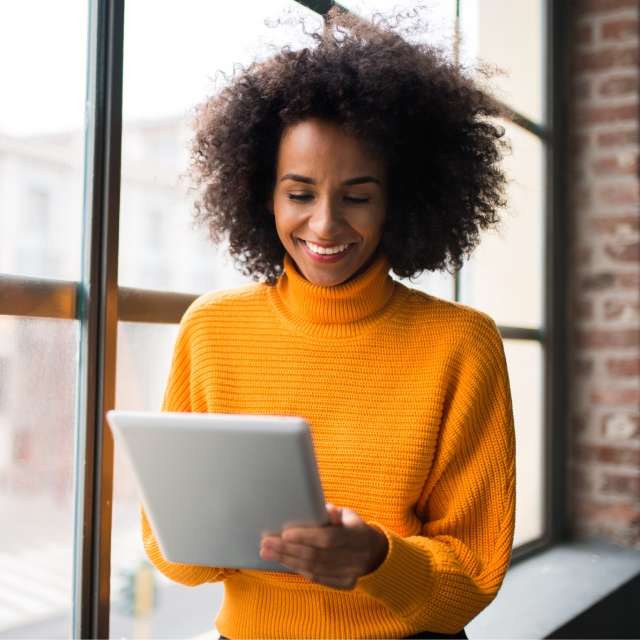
column 335, row 555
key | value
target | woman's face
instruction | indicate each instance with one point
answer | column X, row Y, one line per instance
column 331, row 191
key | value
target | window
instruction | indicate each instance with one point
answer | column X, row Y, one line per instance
column 98, row 261
column 160, row 250
column 511, row 260
column 37, row 418
column 43, row 77
column 519, row 242
column 4, row 375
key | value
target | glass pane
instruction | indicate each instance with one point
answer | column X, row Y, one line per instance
column 504, row 276
column 436, row 19
column 518, row 50
column 526, row 370
column 162, row 84
column 144, row 602
column 43, row 46
column 37, row 417
column 437, row 283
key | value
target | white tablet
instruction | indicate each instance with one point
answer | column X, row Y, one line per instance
column 212, row 484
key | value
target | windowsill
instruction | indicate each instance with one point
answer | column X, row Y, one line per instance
column 543, row 593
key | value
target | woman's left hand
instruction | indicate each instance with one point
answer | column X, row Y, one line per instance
column 335, row 555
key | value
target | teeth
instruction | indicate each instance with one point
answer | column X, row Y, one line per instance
column 326, row 250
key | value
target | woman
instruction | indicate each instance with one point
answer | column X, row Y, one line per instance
column 326, row 168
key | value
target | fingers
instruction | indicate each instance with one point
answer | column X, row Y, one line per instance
column 337, row 563
column 350, row 518
column 335, row 514
column 322, row 537
column 330, row 555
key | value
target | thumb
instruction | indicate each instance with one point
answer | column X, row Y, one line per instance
column 350, row 518
column 335, row 514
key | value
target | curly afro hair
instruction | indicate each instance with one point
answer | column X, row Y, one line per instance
column 408, row 101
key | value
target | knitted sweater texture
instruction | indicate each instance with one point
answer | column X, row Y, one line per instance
column 408, row 400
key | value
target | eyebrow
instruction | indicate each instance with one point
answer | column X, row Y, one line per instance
column 307, row 180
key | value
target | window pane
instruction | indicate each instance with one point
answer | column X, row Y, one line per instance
column 511, row 36
column 525, row 363
column 37, row 416
column 162, row 84
column 42, row 136
column 436, row 22
column 437, row 283
column 144, row 356
column 504, row 275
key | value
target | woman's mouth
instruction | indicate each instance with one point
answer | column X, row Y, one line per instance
column 326, row 254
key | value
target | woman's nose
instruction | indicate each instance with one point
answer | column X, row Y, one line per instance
column 326, row 220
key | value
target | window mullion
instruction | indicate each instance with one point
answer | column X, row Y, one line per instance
column 557, row 268
column 97, row 307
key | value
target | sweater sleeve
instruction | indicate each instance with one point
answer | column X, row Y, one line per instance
column 177, row 397
column 443, row 577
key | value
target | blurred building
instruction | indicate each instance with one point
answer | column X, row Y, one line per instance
column 41, row 179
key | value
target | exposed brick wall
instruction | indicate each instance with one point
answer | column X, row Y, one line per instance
column 605, row 273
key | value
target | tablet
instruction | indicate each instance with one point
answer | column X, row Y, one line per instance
column 212, row 484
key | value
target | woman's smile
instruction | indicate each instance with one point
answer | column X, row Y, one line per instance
column 326, row 254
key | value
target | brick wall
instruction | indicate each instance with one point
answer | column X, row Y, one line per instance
column 605, row 271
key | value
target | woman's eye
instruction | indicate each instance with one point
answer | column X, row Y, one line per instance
column 306, row 197
column 356, row 200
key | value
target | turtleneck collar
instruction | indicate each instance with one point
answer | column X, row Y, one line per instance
column 352, row 303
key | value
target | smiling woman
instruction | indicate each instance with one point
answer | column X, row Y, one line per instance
column 326, row 168
column 329, row 201
column 403, row 110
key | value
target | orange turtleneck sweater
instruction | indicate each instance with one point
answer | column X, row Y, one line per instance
column 407, row 396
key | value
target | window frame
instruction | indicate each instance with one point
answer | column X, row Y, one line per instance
column 99, row 304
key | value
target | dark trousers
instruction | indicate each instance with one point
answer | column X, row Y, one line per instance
column 419, row 634
column 431, row 634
